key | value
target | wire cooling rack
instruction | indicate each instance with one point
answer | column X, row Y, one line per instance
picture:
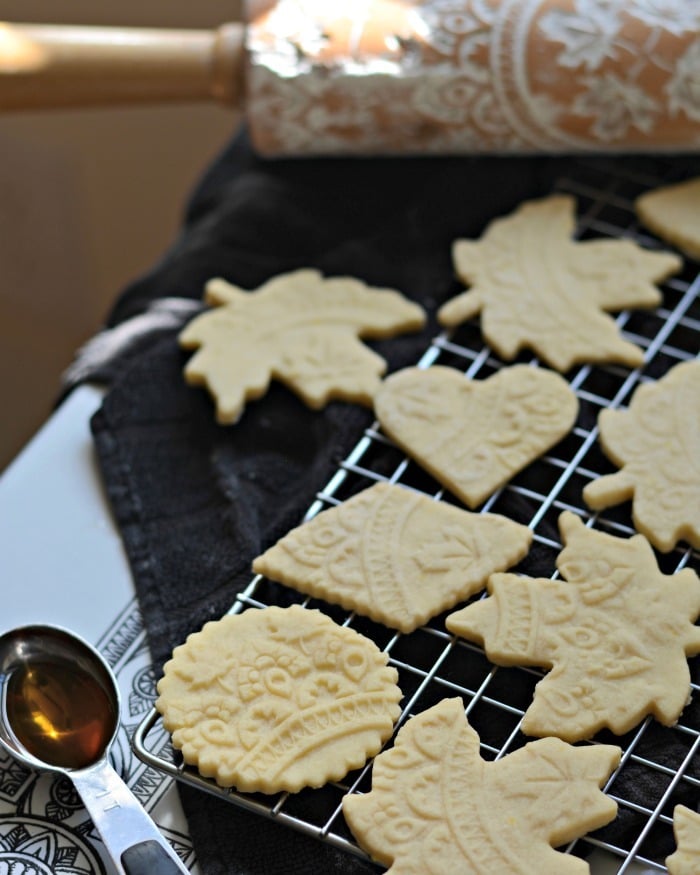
column 660, row 766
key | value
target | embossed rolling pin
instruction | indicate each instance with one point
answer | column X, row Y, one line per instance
column 392, row 77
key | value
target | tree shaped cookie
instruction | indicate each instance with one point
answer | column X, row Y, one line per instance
column 686, row 828
column 673, row 213
column 395, row 555
column 437, row 806
column 616, row 635
column 277, row 699
column 298, row 328
column 656, row 443
column 537, row 288
column 474, row 435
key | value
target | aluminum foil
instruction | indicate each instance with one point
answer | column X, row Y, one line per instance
column 473, row 76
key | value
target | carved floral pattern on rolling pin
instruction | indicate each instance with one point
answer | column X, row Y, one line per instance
column 616, row 634
column 474, row 75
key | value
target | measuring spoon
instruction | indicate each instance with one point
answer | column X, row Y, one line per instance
column 59, row 711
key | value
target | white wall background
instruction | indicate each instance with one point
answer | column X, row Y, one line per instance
column 88, row 200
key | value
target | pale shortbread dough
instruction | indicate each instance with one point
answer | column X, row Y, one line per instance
column 437, row 806
column 673, row 213
column 474, row 435
column 656, row 444
column 278, row 699
column 537, row 288
column 616, row 634
column 298, row 328
column 686, row 828
column 395, row 555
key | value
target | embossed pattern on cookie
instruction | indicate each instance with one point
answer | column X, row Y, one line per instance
column 537, row 288
column 656, row 443
column 616, row 634
column 473, row 436
column 298, row 328
column 395, row 555
column 437, row 806
column 277, row 699
column 685, row 860
column 672, row 212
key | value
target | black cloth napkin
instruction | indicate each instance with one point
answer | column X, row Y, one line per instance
column 195, row 502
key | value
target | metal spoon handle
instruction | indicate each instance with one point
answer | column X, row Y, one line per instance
column 131, row 837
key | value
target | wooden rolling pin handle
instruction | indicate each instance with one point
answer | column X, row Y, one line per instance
column 45, row 66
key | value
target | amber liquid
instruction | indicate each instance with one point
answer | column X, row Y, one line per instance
column 59, row 713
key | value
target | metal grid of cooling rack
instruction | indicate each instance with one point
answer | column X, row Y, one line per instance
column 660, row 766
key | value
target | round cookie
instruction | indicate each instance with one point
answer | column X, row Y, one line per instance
column 277, row 699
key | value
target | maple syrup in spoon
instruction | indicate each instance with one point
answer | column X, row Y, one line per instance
column 59, row 711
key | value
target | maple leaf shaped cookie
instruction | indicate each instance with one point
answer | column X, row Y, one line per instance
column 537, row 288
column 616, row 635
column 437, row 806
column 686, row 828
column 474, row 435
column 298, row 328
column 656, row 443
column 395, row 555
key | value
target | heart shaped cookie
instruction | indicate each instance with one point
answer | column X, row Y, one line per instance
column 473, row 436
